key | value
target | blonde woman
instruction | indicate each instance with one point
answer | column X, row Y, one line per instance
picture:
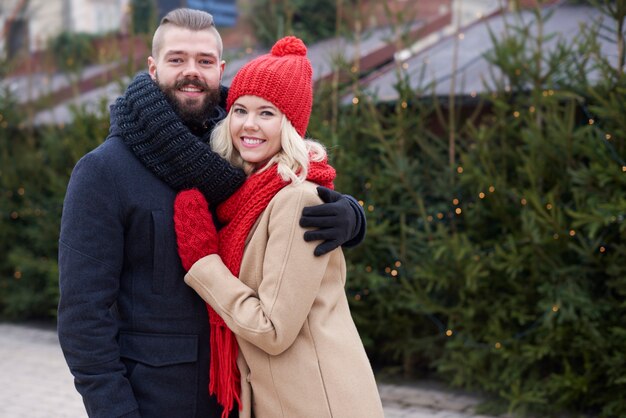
column 283, row 341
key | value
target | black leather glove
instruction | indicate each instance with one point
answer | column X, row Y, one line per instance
column 339, row 221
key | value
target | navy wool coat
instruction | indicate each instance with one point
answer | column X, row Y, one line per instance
column 135, row 336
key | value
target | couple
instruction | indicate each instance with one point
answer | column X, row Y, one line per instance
column 282, row 342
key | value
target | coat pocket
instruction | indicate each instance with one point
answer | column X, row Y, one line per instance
column 163, row 372
column 159, row 349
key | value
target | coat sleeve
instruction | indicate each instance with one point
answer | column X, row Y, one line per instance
column 272, row 318
column 361, row 223
column 90, row 261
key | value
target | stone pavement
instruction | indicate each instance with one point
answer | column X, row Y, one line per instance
column 36, row 383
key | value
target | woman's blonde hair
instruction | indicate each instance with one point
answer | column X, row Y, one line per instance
column 292, row 160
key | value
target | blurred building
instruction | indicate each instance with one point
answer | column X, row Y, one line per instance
column 28, row 24
column 453, row 61
column 224, row 11
column 390, row 33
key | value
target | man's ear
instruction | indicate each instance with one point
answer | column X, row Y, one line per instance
column 152, row 67
column 222, row 67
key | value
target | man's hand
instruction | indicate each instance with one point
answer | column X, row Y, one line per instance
column 336, row 221
column 196, row 235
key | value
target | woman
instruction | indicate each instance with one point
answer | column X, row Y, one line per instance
column 300, row 353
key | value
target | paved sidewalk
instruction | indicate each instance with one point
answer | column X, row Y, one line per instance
column 36, row 383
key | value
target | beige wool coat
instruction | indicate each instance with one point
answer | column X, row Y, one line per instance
column 300, row 353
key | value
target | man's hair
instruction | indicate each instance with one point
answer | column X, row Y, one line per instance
column 195, row 20
column 292, row 159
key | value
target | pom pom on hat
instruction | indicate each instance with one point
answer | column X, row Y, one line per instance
column 283, row 77
column 289, row 45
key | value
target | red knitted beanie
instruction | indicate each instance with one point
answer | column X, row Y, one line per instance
column 283, row 77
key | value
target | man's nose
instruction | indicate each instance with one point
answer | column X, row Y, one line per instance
column 191, row 69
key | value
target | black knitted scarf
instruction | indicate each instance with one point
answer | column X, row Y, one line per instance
column 154, row 132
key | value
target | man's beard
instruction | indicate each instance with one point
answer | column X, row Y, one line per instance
column 192, row 115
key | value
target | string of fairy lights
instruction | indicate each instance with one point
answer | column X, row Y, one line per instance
column 396, row 270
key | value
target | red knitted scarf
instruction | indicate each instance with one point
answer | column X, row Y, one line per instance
column 239, row 213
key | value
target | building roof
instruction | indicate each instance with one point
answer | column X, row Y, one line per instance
column 373, row 49
column 474, row 74
column 430, row 64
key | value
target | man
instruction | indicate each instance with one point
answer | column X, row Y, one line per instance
column 133, row 334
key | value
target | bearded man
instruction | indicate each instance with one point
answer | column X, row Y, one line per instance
column 134, row 335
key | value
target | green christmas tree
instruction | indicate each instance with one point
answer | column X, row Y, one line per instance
column 35, row 166
column 494, row 238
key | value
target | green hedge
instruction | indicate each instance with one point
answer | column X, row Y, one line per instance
column 35, row 165
column 72, row 51
column 310, row 20
column 496, row 234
